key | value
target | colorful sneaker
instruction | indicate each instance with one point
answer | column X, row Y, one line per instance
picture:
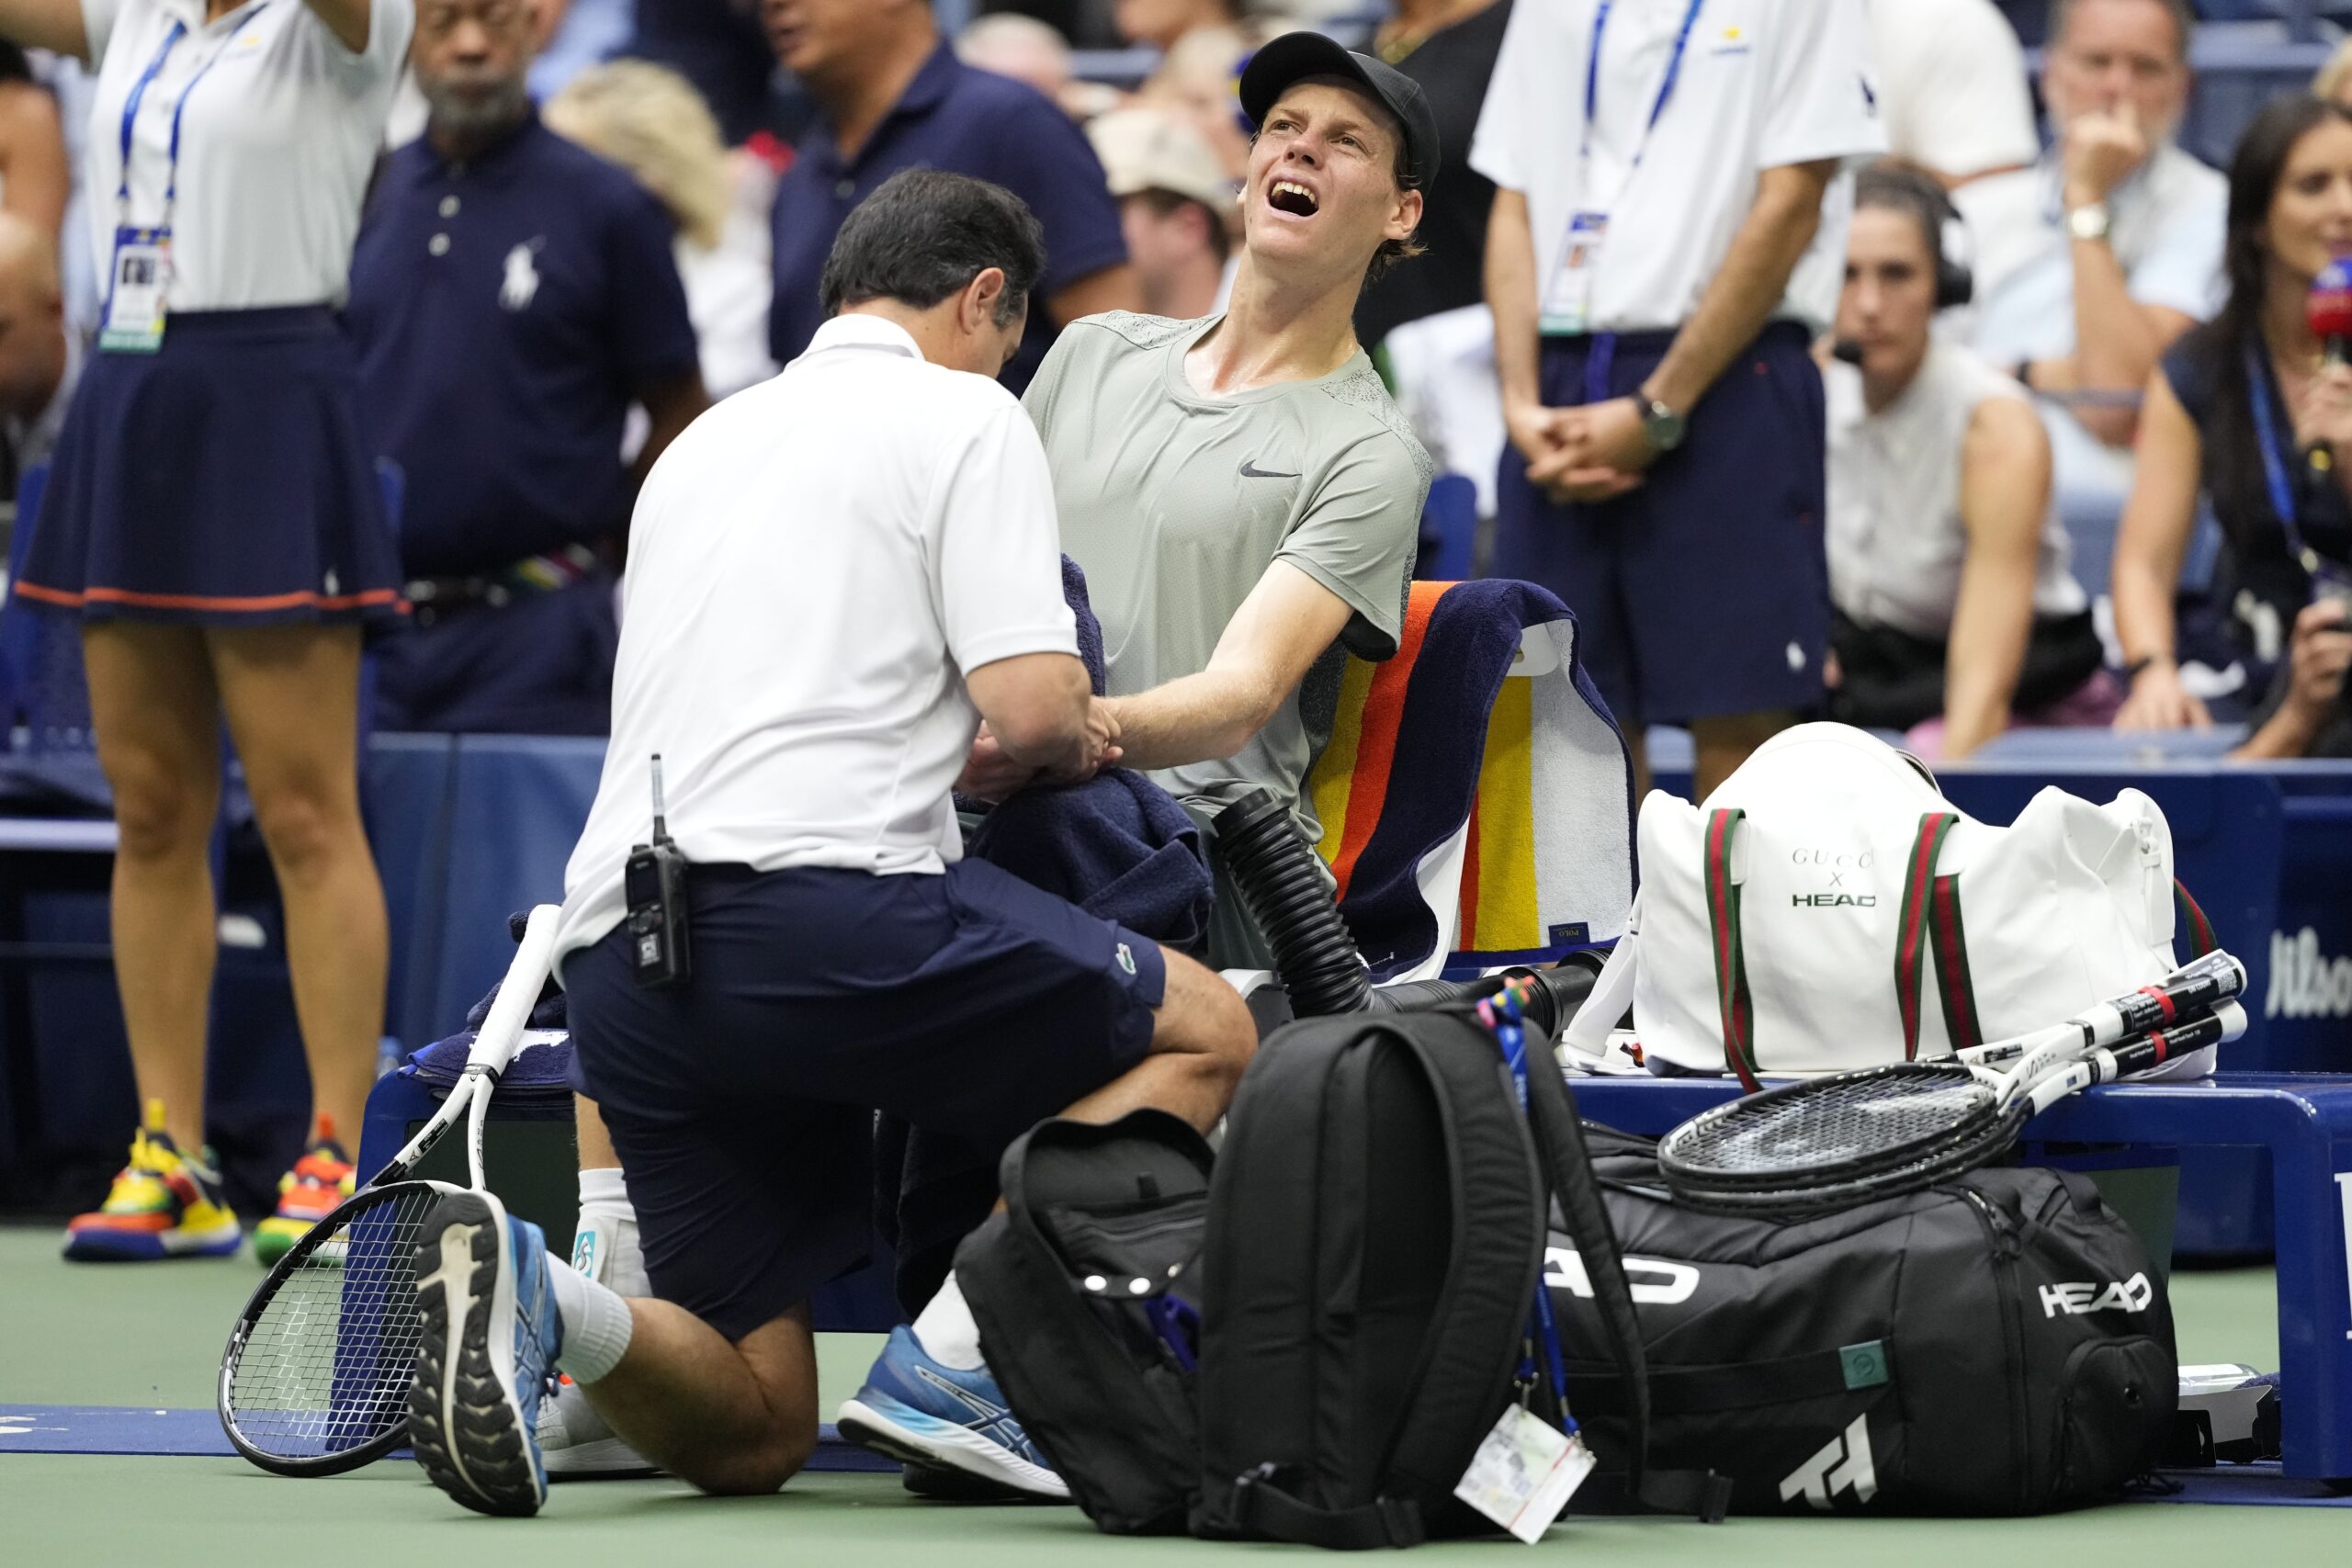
column 322, row 1179
column 923, row 1413
column 163, row 1204
column 490, row 1338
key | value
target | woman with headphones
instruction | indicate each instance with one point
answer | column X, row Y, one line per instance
column 1947, row 559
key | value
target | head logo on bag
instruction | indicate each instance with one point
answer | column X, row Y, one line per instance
column 1655, row 1281
column 2086, row 1296
column 1843, row 1461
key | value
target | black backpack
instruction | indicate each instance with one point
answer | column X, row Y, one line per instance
column 1998, row 1345
column 1388, row 1144
column 1376, row 1226
column 1084, row 1288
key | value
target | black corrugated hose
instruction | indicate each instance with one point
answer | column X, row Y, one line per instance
column 1285, row 891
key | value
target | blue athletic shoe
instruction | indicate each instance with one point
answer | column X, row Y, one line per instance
column 490, row 1337
column 921, row 1413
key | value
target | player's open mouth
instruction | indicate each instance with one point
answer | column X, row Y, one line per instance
column 1289, row 195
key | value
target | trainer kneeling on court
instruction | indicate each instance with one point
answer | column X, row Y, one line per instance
column 833, row 579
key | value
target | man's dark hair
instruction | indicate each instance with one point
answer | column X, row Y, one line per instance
column 2184, row 22
column 925, row 235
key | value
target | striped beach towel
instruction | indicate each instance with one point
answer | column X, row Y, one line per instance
column 1475, row 796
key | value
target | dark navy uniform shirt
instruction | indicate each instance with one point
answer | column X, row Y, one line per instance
column 506, row 312
column 968, row 122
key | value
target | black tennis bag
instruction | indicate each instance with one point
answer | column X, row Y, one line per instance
column 1997, row 1344
column 1376, row 1226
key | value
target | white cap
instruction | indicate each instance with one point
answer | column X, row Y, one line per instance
column 1148, row 149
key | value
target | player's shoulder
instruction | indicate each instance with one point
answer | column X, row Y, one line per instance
column 1386, row 436
column 1114, row 332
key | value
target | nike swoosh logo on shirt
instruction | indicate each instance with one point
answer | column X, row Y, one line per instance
column 1250, row 471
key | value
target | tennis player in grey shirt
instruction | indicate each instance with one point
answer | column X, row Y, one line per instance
column 1242, row 495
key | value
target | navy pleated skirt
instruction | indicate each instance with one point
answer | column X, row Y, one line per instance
column 220, row 480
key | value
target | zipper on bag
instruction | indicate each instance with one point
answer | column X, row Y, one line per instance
column 2006, row 1247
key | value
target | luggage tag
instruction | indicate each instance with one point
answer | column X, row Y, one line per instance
column 1524, row 1472
column 1567, row 305
column 140, row 277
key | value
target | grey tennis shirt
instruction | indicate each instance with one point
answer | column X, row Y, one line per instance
column 1174, row 503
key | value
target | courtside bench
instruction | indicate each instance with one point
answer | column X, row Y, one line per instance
column 2303, row 1123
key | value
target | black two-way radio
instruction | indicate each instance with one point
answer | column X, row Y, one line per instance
column 656, row 889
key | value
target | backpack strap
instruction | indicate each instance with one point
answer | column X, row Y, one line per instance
column 1567, row 1164
column 1911, row 934
column 1731, row 965
column 1264, row 1509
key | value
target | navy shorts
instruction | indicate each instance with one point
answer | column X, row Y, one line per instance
column 1706, row 591
column 220, row 480
column 539, row 664
column 742, row 1103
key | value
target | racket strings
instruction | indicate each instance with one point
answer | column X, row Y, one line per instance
column 325, row 1366
column 1870, row 1119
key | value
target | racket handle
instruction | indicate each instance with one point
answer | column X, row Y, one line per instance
column 2224, row 1023
column 2199, row 987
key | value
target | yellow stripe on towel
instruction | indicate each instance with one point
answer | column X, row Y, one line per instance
column 1505, row 895
column 1335, row 770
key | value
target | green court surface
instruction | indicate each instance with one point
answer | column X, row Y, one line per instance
column 152, row 1336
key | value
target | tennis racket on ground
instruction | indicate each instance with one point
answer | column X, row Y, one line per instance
column 1833, row 1141
column 316, row 1378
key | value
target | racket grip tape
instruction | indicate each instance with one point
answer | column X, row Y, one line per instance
column 2159, row 1047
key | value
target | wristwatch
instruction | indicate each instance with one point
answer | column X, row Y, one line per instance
column 2089, row 222
column 1661, row 426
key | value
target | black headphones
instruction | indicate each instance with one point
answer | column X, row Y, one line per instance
column 1908, row 190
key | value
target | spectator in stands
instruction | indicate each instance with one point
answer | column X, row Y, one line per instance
column 2229, row 413
column 1174, row 206
column 893, row 97
column 1657, row 262
column 2333, row 80
column 213, row 523
column 721, row 47
column 1947, row 561
column 35, row 179
column 649, row 120
column 1951, row 79
column 1030, row 51
column 2092, row 263
column 2306, row 715
column 511, row 296
column 40, row 361
column 1431, row 319
column 1160, row 24
column 1196, row 77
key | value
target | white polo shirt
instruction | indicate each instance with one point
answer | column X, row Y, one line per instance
column 276, row 142
column 1763, row 84
column 1951, row 78
column 812, row 566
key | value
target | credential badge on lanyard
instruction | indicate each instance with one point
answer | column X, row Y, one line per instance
column 140, row 276
column 1568, row 304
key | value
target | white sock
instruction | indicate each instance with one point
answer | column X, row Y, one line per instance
column 596, row 1324
column 945, row 1330
column 604, row 1246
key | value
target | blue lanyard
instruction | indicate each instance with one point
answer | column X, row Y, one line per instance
column 2274, row 467
column 1665, row 88
column 1501, row 1013
column 139, row 96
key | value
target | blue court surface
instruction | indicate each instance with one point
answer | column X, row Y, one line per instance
column 109, row 1453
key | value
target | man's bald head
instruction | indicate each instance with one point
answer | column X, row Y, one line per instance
column 32, row 319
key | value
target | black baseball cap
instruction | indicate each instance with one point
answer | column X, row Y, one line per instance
column 1293, row 56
